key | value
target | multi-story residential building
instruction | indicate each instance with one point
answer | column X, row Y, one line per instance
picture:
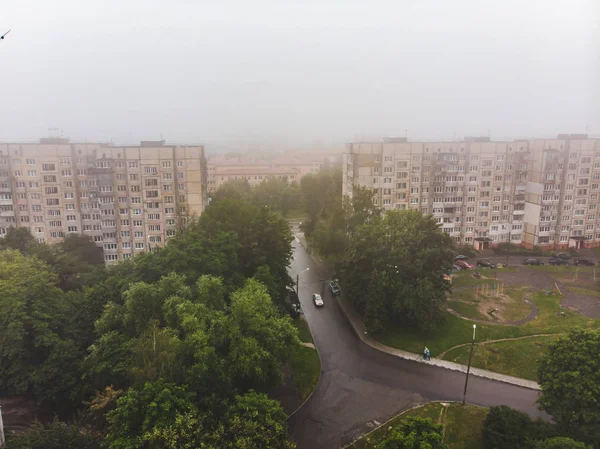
column 291, row 168
column 532, row 192
column 128, row 199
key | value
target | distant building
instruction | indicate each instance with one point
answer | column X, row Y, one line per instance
column 128, row 199
column 542, row 192
column 289, row 167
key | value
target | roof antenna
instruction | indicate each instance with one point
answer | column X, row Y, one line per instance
column 4, row 35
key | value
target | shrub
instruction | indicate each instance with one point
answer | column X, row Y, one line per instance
column 56, row 435
column 560, row 443
column 507, row 428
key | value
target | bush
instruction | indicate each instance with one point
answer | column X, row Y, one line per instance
column 466, row 250
column 414, row 433
column 507, row 428
column 56, row 435
column 560, row 443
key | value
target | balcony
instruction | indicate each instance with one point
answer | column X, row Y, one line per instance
column 518, row 212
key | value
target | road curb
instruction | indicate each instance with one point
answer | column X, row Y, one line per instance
column 318, row 380
column 404, row 413
column 365, row 338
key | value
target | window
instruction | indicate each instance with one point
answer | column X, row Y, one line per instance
column 134, row 177
column 166, row 164
column 124, row 222
column 69, row 195
column 111, row 257
column 169, row 210
column 65, row 161
column 133, row 164
column 48, row 167
column 180, row 163
column 134, row 188
column 126, row 245
column 136, row 211
column 180, row 174
column 52, row 201
column 71, row 218
column 121, row 188
column 137, row 223
column 153, row 216
column 139, row 245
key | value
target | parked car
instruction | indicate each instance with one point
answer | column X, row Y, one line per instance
column 318, row 300
column 461, row 257
column 464, row 264
column 334, row 287
column 486, row 264
column 586, row 262
column 532, row 261
column 558, row 261
column 561, row 255
column 457, row 268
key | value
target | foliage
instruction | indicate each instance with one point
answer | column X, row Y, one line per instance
column 163, row 415
column 275, row 193
column 560, row 443
column 35, row 355
column 77, row 260
column 322, row 193
column 415, row 433
column 56, row 435
column 393, row 270
column 570, row 379
column 507, row 428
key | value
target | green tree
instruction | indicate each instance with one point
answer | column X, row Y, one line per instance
column 393, row 269
column 321, row 192
column 569, row 375
column 507, row 428
column 142, row 414
column 560, row 443
column 258, row 339
column 238, row 189
column 256, row 422
column 35, row 356
column 211, row 292
column 56, row 435
column 415, row 433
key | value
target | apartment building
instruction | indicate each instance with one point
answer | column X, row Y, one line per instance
column 255, row 171
column 531, row 192
column 128, row 199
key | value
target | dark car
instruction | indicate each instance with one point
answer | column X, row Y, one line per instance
column 561, row 256
column 558, row 261
column 334, row 287
column 461, row 257
column 532, row 261
column 486, row 264
column 586, row 262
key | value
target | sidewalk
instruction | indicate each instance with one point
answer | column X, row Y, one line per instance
column 360, row 330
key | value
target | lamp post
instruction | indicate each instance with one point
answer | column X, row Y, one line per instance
column 469, row 365
column 298, row 282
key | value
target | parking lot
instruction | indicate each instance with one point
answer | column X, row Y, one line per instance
column 564, row 278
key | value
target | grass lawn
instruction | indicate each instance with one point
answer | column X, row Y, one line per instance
column 585, row 291
column 455, row 331
column 303, row 330
column 596, row 251
column 465, row 278
column 306, row 367
column 463, row 426
column 305, row 361
column 518, row 358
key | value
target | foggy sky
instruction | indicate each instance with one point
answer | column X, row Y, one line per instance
column 303, row 73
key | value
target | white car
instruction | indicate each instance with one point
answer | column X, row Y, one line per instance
column 318, row 300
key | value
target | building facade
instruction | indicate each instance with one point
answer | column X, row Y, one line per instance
column 540, row 192
column 128, row 199
column 255, row 171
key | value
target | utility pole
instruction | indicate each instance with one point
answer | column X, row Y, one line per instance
column 298, row 282
column 469, row 365
column 2, row 440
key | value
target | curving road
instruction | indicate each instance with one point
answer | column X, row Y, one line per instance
column 360, row 385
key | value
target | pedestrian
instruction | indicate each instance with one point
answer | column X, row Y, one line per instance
column 427, row 354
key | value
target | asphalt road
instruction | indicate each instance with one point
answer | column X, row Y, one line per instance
column 360, row 385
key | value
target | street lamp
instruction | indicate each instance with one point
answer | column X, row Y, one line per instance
column 298, row 282
column 469, row 365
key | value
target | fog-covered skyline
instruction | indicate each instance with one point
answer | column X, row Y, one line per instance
column 298, row 74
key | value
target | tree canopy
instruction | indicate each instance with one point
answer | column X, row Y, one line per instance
column 569, row 375
column 393, row 269
column 167, row 350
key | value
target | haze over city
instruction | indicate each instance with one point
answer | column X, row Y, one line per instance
column 236, row 74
